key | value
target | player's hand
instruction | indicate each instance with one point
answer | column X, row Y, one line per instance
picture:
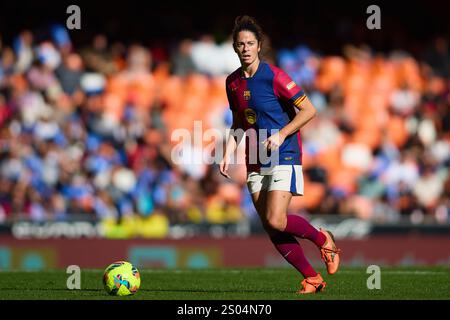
column 274, row 141
column 223, row 167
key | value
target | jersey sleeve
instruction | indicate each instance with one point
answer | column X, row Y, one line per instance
column 286, row 89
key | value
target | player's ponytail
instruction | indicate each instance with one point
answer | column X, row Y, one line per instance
column 247, row 23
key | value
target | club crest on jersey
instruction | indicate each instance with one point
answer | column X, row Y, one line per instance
column 250, row 115
column 247, row 95
column 290, row 85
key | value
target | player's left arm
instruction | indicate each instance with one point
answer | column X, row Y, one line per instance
column 288, row 91
column 306, row 113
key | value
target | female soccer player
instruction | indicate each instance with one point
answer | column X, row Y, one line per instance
column 264, row 100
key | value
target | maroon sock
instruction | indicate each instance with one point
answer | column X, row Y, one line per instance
column 299, row 227
column 291, row 250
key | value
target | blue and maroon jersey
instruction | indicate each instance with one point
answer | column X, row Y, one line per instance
column 266, row 101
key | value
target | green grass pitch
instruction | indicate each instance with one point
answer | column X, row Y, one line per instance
column 400, row 283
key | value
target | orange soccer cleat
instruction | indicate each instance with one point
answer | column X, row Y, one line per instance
column 312, row 285
column 330, row 253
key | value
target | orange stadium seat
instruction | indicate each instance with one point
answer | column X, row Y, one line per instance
column 314, row 193
column 371, row 138
column 171, row 92
column 329, row 158
column 344, row 178
column 332, row 72
column 396, row 130
column 408, row 71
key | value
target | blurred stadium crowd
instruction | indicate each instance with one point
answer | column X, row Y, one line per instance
column 86, row 131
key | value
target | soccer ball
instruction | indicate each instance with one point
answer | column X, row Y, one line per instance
column 121, row 278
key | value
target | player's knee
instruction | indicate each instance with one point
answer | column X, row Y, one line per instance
column 277, row 222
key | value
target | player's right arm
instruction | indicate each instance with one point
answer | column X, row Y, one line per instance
column 233, row 139
column 231, row 145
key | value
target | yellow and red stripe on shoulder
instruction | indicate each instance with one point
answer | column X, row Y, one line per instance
column 299, row 100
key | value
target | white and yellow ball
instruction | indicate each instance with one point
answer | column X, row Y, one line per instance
column 121, row 278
